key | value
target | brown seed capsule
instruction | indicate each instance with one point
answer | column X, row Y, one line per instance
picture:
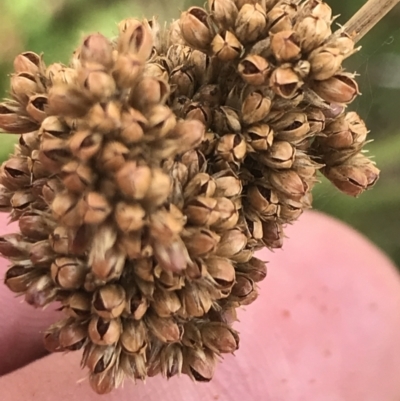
column 197, row 111
column 200, row 242
column 191, row 334
column 278, row 20
column 279, row 156
column 316, row 120
column 73, row 335
column 13, row 246
column 132, row 126
column 104, row 383
column 190, row 133
column 224, row 12
column 244, row 292
column 222, row 272
column 127, row 69
column 345, row 132
column 254, row 69
column 64, row 208
column 55, row 127
column 94, row 208
column 77, row 176
column 51, row 341
column 227, row 184
column 104, row 332
column 355, row 176
column 135, row 38
column 195, row 27
column 251, row 23
column 231, row 148
column 325, row 62
column 24, row 85
column 165, row 329
column 288, row 182
column 272, row 234
column 99, row 359
column 263, row 201
column 285, row 46
column 67, row 101
column 255, row 107
column 341, row 88
column 109, row 301
column 133, row 180
column 170, row 253
column 202, row 211
column 50, row 189
column 77, row 305
column 291, row 210
column 68, row 273
column 105, row 258
column 159, row 189
column 99, row 84
column 129, row 217
column 168, row 362
column 228, row 214
column 134, row 337
column 41, row 292
column 21, row 201
column 134, row 365
column 137, row 304
column 59, row 240
column 232, row 242
column 15, row 173
column 293, row 127
column 85, row 144
column 285, row 82
column 149, row 91
column 200, row 184
column 53, row 153
column 28, row 62
column 41, row 253
column 226, row 46
column 18, row 278
column 12, row 122
column 343, row 42
column 260, row 137
column 58, row 74
column 226, row 120
column 196, row 300
column 183, row 81
column 165, row 303
column 37, row 107
column 312, row 31
column 160, row 122
column 255, row 268
column 219, row 338
column 34, row 226
column 199, row 364
column 28, row 142
column 97, row 49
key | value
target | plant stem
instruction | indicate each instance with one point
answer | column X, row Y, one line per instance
column 367, row 17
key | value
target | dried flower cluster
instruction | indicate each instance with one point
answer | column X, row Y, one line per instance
column 150, row 170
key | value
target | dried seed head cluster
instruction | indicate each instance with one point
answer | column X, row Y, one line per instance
column 150, row 170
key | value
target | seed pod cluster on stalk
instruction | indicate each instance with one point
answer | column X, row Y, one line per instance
column 152, row 167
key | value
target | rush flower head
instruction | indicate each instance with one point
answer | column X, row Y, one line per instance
column 152, row 167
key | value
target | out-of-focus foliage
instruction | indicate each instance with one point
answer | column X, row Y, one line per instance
column 54, row 27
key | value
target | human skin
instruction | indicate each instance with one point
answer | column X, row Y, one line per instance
column 326, row 327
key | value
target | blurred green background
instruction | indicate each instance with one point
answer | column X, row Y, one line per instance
column 54, row 27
